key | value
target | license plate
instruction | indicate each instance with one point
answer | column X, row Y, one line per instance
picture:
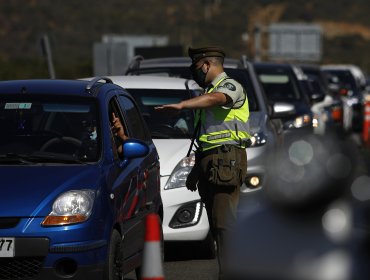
column 7, row 247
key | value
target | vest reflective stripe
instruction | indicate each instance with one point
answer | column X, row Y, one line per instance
column 223, row 126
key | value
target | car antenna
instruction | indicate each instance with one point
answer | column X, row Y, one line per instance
column 134, row 63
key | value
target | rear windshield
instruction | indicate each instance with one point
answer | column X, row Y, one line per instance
column 346, row 79
column 48, row 127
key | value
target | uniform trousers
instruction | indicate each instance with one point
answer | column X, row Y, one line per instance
column 221, row 202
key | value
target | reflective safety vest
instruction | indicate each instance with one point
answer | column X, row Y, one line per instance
column 220, row 125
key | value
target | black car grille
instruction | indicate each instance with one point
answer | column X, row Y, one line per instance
column 8, row 222
column 20, row 268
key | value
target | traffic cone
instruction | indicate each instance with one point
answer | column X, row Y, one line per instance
column 366, row 124
column 152, row 268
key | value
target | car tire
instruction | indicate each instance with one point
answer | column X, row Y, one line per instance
column 115, row 257
column 209, row 247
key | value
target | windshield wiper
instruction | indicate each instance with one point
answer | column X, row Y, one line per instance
column 15, row 158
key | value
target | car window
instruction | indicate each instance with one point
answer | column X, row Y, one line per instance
column 279, row 85
column 51, row 124
column 135, row 123
column 162, row 124
column 115, row 109
column 317, row 86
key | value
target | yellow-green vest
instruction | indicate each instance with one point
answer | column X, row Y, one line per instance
column 223, row 125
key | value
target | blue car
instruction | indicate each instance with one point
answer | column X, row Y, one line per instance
column 74, row 195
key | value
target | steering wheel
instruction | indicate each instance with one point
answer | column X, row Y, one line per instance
column 61, row 140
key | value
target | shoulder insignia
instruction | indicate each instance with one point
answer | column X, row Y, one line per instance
column 229, row 86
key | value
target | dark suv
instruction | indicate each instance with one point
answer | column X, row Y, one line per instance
column 73, row 195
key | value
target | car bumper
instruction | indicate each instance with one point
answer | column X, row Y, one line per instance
column 174, row 202
column 34, row 258
column 41, row 252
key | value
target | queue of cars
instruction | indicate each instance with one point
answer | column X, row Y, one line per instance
column 282, row 101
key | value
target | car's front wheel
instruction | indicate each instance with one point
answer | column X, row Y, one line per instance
column 115, row 258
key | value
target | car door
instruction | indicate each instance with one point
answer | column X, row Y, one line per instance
column 149, row 174
column 126, row 188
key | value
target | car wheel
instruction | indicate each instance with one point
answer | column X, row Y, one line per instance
column 209, row 247
column 115, row 258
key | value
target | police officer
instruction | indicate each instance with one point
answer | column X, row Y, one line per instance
column 222, row 132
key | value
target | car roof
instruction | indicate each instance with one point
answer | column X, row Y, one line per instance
column 310, row 67
column 354, row 69
column 179, row 62
column 272, row 64
column 51, row 86
column 154, row 82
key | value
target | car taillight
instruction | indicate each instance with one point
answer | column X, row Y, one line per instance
column 337, row 114
column 343, row 92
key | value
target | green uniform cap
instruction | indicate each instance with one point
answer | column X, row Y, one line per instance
column 198, row 53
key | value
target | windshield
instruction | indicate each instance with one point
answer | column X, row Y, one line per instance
column 48, row 128
column 279, row 85
column 164, row 124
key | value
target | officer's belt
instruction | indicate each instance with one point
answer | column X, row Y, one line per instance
column 217, row 150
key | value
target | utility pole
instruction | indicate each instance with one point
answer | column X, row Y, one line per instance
column 257, row 42
column 46, row 50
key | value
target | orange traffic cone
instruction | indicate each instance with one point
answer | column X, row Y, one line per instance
column 366, row 125
column 152, row 268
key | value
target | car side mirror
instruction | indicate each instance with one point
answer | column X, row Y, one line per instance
column 317, row 97
column 282, row 110
column 134, row 148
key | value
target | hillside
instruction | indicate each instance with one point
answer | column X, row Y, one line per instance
column 74, row 25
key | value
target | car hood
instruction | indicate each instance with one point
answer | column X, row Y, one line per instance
column 29, row 191
column 301, row 108
column 171, row 151
column 257, row 122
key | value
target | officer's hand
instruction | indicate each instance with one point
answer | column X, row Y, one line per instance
column 192, row 188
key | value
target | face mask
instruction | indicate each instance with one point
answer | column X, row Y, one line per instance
column 198, row 75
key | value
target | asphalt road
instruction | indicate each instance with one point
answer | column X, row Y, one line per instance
column 183, row 263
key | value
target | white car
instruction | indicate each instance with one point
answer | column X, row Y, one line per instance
column 185, row 217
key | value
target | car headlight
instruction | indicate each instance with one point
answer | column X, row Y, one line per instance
column 180, row 173
column 299, row 121
column 71, row 207
column 302, row 121
column 257, row 139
